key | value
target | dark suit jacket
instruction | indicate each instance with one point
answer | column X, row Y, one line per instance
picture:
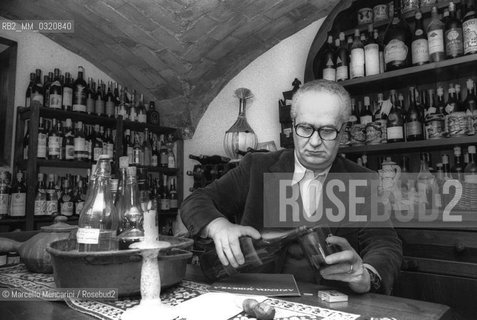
column 238, row 196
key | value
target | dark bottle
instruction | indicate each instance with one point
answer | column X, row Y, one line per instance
column 342, row 60
column 165, row 203
column 68, row 141
column 54, row 145
column 99, row 104
column 357, row 56
column 458, row 168
column 26, row 142
column 152, row 114
column 257, row 253
column 419, row 45
column 42, row 140
column 66, row 203
column 371, row 54
column 395, row 123
column 469, row 29
column 413, row 119
column 79, row 92
column 90, row 95
column 366, row 116
column 434, row 119
column 18, row 197
column 173, row 202
column 79, row 195
column 79, row 142
column 68, row 93
column 110, row 103
column 37, row 90
column 453, row 34
column 56, row 91
column 397, row 41
column 329, row 68
column 47, row 83
column 470, row 171
column 435, row 37
column 470, row 105
column 209, row 159
column 28, row 91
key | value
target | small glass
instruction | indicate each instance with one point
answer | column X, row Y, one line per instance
column 315, row 247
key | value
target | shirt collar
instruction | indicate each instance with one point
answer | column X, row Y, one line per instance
column 300, row 171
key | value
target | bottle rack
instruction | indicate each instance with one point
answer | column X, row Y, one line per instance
column 32, row 165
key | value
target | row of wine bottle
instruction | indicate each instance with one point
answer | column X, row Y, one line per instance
column 425, row 117
column 65, row 140
column 448, row 37
column 62, row 92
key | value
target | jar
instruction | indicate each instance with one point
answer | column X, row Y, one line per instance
column 358, row 135
column 380, row 12
column 365, row 16
column 374, row 132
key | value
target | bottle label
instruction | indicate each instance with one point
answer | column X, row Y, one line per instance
column 365, row 120
column 171, row 162
column 435, row 127
column 154, row 162
column 470, row 178
column 37, row 97
column 110, row 108
column 342, row 73
column 110, row 150
column 55, row 101
column 79, row 207
column 164, row 159
column 413, row 128
column 4, row 203
column 41, row 145
column 469, row 30
column 395, row 132
column 90, row 105
column 329, row 74
column 69, row 152
column 454, row 45
column 457, row 124
column 18, row 203
column 97, row 152
column 141, row 117
column 67, row 208
column 80, row 145
column 79, row 99
column 420, row 51
column 357, row 62
column 87, row 235
column 165, row 204
column 436, row 41
column 68, row 97
column 395, row 51
column 51, row 207
column 99, row 107
column 40, row 207
column 173, row 204
column 54, row 146
column 371, row 54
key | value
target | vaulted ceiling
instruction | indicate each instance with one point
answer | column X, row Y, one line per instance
column 177, row 52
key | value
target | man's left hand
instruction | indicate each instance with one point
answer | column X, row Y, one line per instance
column 346, row 266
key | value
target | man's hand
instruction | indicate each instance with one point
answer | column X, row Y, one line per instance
column 346, row 266
column 226, row 238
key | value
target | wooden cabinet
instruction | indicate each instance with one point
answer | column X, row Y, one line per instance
column 440, row 265
column 32, row 165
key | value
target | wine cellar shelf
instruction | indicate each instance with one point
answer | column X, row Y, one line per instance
column 32, row 165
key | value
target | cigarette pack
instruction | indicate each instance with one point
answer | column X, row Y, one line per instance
column 332, row 296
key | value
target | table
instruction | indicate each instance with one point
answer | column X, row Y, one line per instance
column 367, row 305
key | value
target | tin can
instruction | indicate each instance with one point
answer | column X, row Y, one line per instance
column 380, row 12
column 435, row 127
column 365, row 15
column 457, row 124
column 358, row 135
column 374, row 132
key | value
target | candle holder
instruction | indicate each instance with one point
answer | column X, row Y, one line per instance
column 151, row 306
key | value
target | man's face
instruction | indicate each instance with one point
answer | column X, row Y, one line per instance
column 318, row 109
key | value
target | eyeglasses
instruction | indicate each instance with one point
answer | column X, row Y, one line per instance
column 325, row 133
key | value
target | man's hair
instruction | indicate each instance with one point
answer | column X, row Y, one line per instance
column 327, row 86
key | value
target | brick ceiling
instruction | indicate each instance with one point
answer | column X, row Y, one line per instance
column 177, row 52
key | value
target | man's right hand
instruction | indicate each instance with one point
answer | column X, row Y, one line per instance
column 226, row 238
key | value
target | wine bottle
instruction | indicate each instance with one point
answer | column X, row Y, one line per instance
column 419, row 45
column 69, row 145
column 40, row 199
column 397, row 41
column 109, row 103
column 470, row 105
column 413, row 119
column 54, row 146
column 395, row 123
column 79, row 92
column 366, row 116
column 26, row 140
column 67, row 93
column 434, row 119
column 342, row 58
column 66, row 200
column 470, row 171
column 257, row 253
column 458, row 168
column 329, row 69
column 152, row 114
column 47, row 86
column 37, row 90
column 141, row 110
column 469, row 29
column 18, row 197
column 28, row 91
column 173, row 202
column 453, row 34
column 165, row 201
column 456, row 117
column 435, row 36
column 99, row 103
column 98, row 221
column 371, row 54
column 79, row 142
column 42, row 140
column 56, row 91
column 357, row 56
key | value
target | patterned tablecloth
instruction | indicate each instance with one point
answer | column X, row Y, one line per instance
column 17, row 276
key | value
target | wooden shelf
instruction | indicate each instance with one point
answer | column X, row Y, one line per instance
column 25, row 113
column 52, row 218
column 405, row 147
column 432, row 72
column 59, row 164
column 166, row 171
column 167, row 213
column 139, row 126
column 12, row 221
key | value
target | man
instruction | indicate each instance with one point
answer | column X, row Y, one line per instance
column 320, row 110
